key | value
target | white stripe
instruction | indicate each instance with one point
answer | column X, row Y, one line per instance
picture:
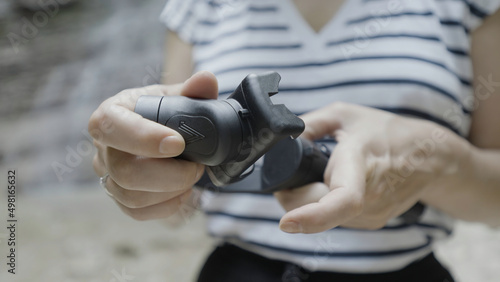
column 433, row 51
column 350, row 265
column 243, row 204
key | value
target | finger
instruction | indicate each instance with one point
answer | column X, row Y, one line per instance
column 202, row 85
column 151, row 174
column 161, row 210
column 98, row 160
column 115, row 124
column 101, row 171
column 122, row 129
column 139, row 199
column 131, row 198
column 343, row 203
column 101, row 151
column 293, row 198
column 128, row 98
column 98, row 166
column 322, row 122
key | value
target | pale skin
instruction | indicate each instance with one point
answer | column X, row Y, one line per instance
column 367, row 181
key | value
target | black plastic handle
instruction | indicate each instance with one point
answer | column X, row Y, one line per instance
column 293, row 163
column 212, row 129
column 289, row 164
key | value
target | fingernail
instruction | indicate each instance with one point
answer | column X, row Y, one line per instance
column 291, row 227
column 171, row 145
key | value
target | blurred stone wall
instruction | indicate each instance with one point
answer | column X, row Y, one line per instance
column 57, row 64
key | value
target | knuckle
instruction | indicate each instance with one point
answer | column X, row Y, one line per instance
column 94, row 122
column 101, row 150
column 96, row 164
column 100, row 123
column 129, row 96
column 106, row 120
column 124, row 92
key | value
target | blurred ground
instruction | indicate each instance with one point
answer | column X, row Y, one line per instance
column 52, row 77
column 84, row 237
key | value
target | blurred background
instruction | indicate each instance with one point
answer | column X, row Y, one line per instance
column 59, row 59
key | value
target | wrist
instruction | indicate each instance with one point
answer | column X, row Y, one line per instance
column 451, row 163
column 454, row 155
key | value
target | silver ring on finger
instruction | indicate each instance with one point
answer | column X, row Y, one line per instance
column 102, row 182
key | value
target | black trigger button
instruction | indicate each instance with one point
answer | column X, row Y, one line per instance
column 244, row 113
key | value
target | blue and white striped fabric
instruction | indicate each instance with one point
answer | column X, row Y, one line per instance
column 403, row 56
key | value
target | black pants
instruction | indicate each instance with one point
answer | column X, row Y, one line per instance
column 229, row 263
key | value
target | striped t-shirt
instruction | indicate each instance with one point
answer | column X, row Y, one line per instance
column 403, row 56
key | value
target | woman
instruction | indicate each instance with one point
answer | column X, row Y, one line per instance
column 425, row 77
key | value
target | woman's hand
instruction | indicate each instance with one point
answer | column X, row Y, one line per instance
column 144, row 179
column 381, row 166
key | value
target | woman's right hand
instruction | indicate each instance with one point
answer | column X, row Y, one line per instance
column 145, row 179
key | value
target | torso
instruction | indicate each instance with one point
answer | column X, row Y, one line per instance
column 407, row 57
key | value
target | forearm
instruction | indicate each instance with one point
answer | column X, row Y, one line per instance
column 472, row 191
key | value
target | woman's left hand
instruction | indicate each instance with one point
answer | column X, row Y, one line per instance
column 381, row 166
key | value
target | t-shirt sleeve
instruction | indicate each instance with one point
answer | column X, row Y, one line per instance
column 478, row 11
column 182, row 17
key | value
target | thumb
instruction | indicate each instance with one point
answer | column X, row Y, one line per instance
column 346, row 180
column 319, row 123
column 201, row 85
